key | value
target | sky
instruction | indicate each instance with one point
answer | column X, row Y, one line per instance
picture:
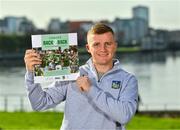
column 164, row 14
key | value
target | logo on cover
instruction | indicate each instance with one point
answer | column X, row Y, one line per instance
column 116, row 84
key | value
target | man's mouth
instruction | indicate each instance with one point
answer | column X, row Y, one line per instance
column 103, row 55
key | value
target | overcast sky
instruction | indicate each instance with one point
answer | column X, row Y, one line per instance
column 164, row 14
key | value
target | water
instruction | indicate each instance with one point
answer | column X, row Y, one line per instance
column 158, row 76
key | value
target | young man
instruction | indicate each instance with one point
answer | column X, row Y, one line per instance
column 104, row 97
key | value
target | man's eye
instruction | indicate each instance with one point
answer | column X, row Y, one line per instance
column 108, row 43
column 96, row 44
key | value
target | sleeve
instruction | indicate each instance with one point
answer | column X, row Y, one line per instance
column 43, row 99
column 122, row 109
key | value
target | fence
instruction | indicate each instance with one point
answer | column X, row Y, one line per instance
column 159, row 107
column 20, row 102
column 13, row 102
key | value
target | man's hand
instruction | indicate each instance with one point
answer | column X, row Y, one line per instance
column 31, row 58
column 83, row 83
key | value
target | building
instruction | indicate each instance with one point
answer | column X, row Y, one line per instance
column 16, row 25
column 124, row 30
column 174, row 39
column 131, row 31
column 141, row 12
column 2, row 26
column 54, row 25
column 141, row 21
column 155, row 40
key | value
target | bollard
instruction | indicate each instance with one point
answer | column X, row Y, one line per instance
column 5, row 103
column 21, row 103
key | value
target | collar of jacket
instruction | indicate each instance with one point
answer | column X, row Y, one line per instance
column 91, row 67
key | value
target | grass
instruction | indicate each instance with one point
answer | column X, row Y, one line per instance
column 30, row 120
column 146, row 122
column 52, row 121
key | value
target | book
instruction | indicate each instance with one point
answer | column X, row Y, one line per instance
column 59, row 55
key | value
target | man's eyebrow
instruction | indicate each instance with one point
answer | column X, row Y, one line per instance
column 95, row 42
column 108, row 42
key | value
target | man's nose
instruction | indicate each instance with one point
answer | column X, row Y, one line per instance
column 103, row 47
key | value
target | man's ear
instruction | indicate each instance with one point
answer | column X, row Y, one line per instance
column 116, row 45
column 87, row 47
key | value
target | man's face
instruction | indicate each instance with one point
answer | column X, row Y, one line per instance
column 102, row 48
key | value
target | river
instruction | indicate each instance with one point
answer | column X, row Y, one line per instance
column 158, row 75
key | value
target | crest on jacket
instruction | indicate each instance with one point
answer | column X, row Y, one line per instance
column 116, row 84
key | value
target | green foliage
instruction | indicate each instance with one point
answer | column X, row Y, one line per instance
column 119, row 49
column 14, row 43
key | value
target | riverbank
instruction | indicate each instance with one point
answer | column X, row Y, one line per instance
column 17, row 59
column 53, row 120
column 119, row 49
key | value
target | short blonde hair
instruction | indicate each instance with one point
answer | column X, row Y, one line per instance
column 100, row 28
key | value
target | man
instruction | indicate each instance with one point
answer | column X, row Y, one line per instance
column 104, row 97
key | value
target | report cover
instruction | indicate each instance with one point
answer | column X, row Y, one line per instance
column 59, row 54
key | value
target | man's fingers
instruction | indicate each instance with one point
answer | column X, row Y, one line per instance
column 81, row 89
column 29, row 51
column 83, row 83
column 32, row 56
column 30, row 62
column 31, row 59
column 34, row 61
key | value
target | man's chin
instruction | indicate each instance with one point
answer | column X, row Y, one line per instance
column 102, row 63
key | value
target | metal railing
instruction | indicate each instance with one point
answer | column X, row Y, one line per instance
column 13, row 102
column 20, row 102
column 159, row 107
